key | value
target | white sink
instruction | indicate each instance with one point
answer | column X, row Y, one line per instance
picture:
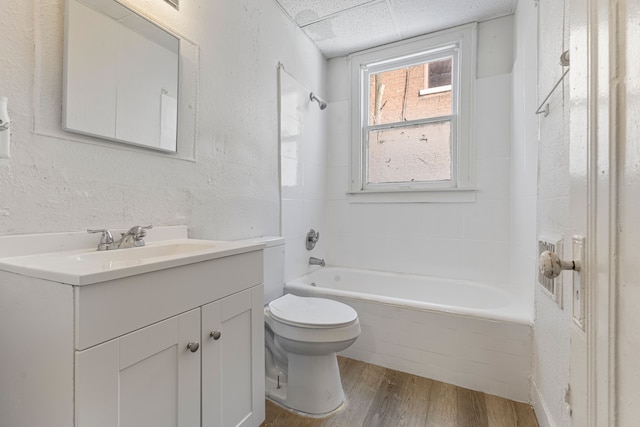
column 83, row 267
column 145, row 252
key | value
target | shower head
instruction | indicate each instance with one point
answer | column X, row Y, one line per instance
column 320, row 102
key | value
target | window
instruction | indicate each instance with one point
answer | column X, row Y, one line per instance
column 411, row 109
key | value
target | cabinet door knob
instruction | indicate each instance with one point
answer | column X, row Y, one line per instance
column 215, row 335
column 193, row 346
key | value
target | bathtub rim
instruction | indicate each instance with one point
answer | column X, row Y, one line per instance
column 517, row 311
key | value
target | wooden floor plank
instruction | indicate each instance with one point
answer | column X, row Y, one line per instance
column 443, row 409
column 415, row 402
column 500, row 412
column 360, row 388
column 380, row 397
column 472, row 409
column 385, row 407
column 525, row 415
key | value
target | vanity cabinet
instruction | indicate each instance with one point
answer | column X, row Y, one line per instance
column 145, row 378
column 233, row 360
column 177, row 347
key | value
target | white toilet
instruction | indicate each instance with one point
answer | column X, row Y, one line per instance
column 302, row 337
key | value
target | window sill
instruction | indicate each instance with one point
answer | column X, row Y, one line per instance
column 445, row 195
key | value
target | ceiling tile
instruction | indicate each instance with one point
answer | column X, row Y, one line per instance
column 426, row 16
column 340, row 27
column 354, row 30
column 306, row 11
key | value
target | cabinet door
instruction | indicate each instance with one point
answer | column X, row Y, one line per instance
column 233, row 360
column 148, row 378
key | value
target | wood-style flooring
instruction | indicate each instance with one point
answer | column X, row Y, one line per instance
column 381, row 397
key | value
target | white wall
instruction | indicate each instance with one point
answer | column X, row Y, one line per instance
column 524, row 150
column 552, row 322
column 459, row 240
column 303, row 167
column 55, row 183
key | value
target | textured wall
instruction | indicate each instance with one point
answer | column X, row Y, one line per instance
column 56, row 182
column 551, row 330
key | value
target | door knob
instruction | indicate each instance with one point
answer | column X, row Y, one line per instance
column 215, row 335
column 193, row 346
column 551, row 265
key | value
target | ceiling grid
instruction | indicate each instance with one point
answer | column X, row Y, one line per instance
column 341, row 27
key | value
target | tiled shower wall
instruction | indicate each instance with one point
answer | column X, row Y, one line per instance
column 456, row 240
column 303, row 170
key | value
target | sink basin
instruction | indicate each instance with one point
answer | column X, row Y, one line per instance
column 86, row 266
column 143, row 252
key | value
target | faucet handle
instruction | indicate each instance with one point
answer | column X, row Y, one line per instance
column 106, row 240
column 134, row 235
column 138, row 230
column 106, row 235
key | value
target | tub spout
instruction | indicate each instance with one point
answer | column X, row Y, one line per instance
column 316, row 261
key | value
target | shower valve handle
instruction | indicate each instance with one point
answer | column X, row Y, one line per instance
column 312, row 238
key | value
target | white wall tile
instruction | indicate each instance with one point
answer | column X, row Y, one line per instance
column 304, row 201
column 337, row 177
column 489, row 261
column 493, row 117
column 440, row 346
column 494, row 178
column 488, row 220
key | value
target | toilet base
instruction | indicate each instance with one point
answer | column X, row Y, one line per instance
column 314, row 387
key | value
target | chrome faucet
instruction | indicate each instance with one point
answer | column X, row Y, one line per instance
column 133, row 237
column 316, row 261
column 130, row 239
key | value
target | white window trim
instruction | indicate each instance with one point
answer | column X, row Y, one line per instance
column 432, row 90
column 464, row 171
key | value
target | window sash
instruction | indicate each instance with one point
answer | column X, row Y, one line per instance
column 409, row 185
column 367, row 71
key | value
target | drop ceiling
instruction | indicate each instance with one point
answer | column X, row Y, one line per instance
column 340, row 27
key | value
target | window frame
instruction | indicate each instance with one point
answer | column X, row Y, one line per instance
column 460, row 42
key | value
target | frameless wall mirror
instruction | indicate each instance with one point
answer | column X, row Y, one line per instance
column 121, row 76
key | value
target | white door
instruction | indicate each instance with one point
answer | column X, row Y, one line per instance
column 233, row 360
column 148, row 378
column 627, row 296
column 580, row 138
column 596, row 118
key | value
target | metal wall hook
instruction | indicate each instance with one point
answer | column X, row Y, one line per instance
column 544, row 105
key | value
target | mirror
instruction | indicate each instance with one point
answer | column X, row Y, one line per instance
column 120, row 77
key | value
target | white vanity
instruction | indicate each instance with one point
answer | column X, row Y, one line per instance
column 169, row 334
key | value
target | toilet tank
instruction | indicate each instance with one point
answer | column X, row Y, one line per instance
column 273, row 266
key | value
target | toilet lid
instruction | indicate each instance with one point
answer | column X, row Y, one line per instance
column 312, row 312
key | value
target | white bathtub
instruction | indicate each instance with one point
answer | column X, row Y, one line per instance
column 459, row 332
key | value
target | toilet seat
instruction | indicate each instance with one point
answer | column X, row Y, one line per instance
column 309, row 312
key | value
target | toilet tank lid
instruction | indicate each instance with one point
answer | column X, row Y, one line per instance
column 312, row 312
column 270, row 241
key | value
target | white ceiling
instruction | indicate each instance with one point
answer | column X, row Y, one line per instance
column 340, row 27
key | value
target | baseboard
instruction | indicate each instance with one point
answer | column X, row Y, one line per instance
column 540, row 407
